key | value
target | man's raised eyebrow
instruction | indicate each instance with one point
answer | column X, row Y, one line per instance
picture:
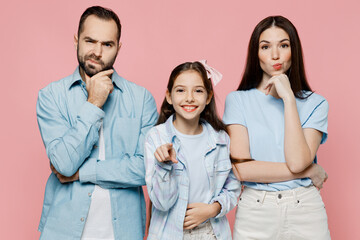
column 93, row 40
column 89, row 38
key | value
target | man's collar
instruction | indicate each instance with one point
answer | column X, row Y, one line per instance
column 75, row 77
column 117, row 80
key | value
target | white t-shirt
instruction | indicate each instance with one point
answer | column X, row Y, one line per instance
column 98, row 225
column 194, row 148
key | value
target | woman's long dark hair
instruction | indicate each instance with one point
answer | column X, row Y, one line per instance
column 253, row 73
column 209, row 114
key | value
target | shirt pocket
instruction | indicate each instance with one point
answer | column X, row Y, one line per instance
column 222, row 166
column 125, row 134
column 221, row 171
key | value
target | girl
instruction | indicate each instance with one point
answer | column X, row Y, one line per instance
column 187, row 162
column 276, row 119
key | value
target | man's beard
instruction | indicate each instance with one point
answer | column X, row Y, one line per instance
column 90, row 69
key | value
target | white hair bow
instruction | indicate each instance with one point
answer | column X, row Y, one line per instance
column 212, row 73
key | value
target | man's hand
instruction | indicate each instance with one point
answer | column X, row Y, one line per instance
column 64, row 179
column 99, row 87
column 198, row 213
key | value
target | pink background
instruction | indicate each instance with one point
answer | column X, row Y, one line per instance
column 37, row 48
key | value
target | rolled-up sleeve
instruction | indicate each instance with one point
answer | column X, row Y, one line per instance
column 67, row 146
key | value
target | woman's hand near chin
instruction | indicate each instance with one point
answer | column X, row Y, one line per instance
column 282, row 87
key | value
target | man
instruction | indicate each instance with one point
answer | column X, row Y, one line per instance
column 93, row 125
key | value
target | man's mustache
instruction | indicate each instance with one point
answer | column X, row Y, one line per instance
column 95, row 58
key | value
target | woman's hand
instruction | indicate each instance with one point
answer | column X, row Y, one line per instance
column 166, row 153
column 235, row 171
column 317, row 175
column 197, row 213
column 282, row 86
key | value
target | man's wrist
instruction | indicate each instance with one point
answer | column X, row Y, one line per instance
column 94, row 102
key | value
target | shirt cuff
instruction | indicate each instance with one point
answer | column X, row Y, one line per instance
column 223, row 208
column 87, row 171
column 91, row 113
column 163, row 170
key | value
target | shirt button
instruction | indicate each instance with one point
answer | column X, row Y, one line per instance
column 279, row 196
column 89, row 194
column 82, row 219
column 95, row 146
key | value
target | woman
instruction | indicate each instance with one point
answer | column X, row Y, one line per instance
column 275, row 119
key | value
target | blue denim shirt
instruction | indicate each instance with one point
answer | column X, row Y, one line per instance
column 69, row 127
column 168, row 184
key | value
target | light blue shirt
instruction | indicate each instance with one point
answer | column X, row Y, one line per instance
column 69, row 127
column 168, row 184
column 263, row 116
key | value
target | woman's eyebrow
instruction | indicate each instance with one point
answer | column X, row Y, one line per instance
column 265, row 41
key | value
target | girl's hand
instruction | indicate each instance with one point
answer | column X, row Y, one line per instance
column 198, row 213
column 166, row 153
column 318, row 175
column 282, row 86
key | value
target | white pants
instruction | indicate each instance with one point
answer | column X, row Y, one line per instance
column 201, row 232
column 292, row 214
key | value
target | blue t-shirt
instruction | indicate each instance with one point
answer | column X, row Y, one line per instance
column 263, row 116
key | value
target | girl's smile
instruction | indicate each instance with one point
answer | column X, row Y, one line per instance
column 189, row 108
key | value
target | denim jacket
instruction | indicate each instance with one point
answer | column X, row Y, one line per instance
column 69, row 127
column 168, row 184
